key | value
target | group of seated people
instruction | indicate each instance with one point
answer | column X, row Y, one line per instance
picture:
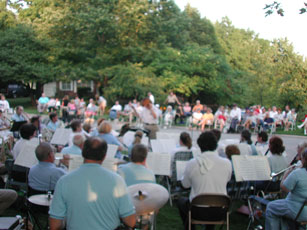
column 85, row 189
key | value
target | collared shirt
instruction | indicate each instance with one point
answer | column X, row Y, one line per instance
column 91, row 197
column 117, row 107
column 277, row 163
column 236, row 113
column 136, row 174
column 53, row 126
column 147, row 116
column 296, row 183
column 43, row 100
column 18, row 118
column 72, row 150
column 4, row 105
column 207, row 173
column 44, row 176
column 18, row 147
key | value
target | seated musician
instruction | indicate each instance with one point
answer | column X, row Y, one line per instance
column 207, row 173
column 246, row 145
column 185, row 144
column 54, row 122
column 91, row 197
column 136, row 172
column 76, row 147
column 104, row 130
column 277, row 163
column 19, row 115
column 27, row 132
column 294, row 182
column 262, row 143
column 76, row 126
column 44, row 175
column 7, row 198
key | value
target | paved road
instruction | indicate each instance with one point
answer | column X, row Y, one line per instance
column 290, row 141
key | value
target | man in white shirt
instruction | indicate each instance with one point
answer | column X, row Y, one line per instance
column 235, row 115
column 273, row 112
column 150, row 117
column 207, row 173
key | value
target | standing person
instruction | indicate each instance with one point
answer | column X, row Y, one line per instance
column 42, row 103
column 150, row 117
column 172, row 99
column 91, row 197
column 64, row 108
column 304, row 124
column 207, row 173
column 4, row 104
column 102, row 104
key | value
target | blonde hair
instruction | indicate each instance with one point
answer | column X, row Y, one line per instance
column 105, row 127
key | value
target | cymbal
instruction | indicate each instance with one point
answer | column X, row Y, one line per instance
column 148, row 197
column 41, row 199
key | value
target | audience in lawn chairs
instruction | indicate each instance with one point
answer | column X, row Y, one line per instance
column 168, row 117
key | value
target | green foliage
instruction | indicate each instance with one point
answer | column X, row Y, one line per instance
column 23, row 57
column 268, row 73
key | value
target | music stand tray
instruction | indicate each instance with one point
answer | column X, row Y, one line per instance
column 8, row 223
column 16, row 125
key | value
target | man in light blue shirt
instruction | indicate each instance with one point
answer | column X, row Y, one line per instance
column 42, row 103
column 76, row 148
column 91, row 197
column 136, row 171
column 44, row 175
column 18, row 116
column 54, row 123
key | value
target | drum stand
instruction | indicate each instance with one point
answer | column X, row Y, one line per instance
column 146, row 222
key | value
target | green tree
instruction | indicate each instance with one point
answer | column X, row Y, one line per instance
column 23, row 57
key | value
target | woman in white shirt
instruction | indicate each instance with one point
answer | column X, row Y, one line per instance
column 185, row 144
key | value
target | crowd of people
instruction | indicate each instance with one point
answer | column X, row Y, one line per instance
column 93, row 197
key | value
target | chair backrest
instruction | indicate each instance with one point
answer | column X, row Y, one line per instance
column 300, row 211
column 211, row 200
column 179, row 156
column 210, row 207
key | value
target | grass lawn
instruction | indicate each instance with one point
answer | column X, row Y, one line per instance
column 168, row 218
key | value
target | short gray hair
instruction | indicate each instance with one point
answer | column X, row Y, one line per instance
column 43, row 150
column 78, row 139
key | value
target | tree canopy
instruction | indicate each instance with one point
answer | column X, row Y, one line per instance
column 135, row 46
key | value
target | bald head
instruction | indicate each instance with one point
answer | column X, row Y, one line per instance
column 43, row 151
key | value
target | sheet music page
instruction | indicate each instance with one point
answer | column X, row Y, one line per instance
column 159, row 163
column 145, row 140
column 163, row 145
column 156, row 146
column 251, row 168
column 128, row 138
column 162, row 135
column 75, row 162
column 110, row 163
column 61, row 136
column 180, row 167
column 27, row 157
column 112, row 149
